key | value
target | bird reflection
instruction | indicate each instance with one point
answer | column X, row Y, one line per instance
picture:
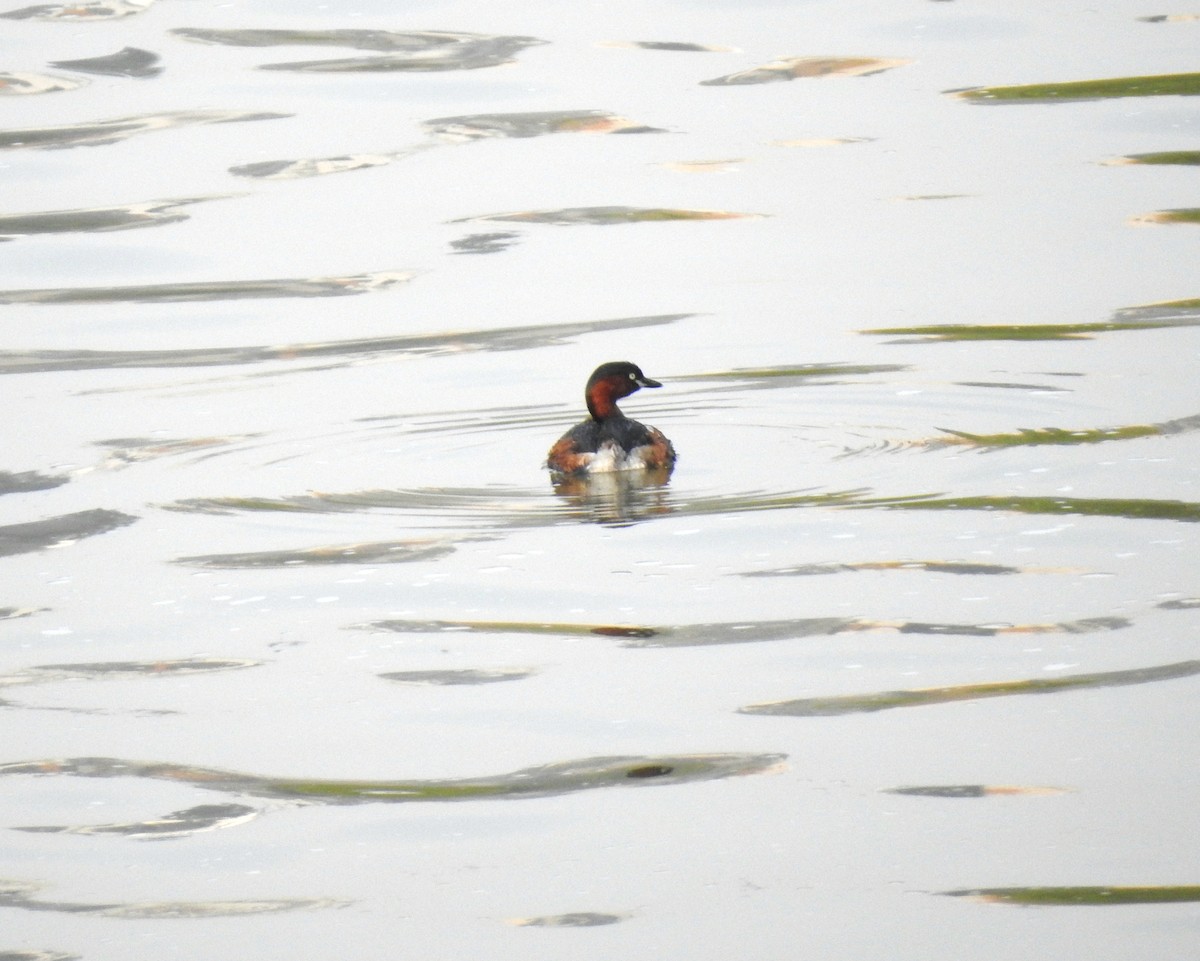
column 617, row 497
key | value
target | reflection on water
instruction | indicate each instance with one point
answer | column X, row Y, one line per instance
column 508, row 338
column 547, row 780
column 23, row 895
column 416, row 51
column 99, row 133
column 1162, row 85
column 886, row 700
column 23, row 82
column 211, row 290
column 56, row 531
column 255, row 521
column 150, row 213
column 576, row 919
column 96, row 10
column 127, row 62
column 1094, row 896
column 606, row 216
column 177, row 824
column 791, row 68
column 616, row 497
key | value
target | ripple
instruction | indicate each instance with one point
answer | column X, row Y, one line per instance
column 17, row 894
column 885, row 700
column 449, row 131
column 464, row 676
column 740, row 632
column 149, row 213
column 98, row 10
column 177, row 824
column 106, row 670
column 128, row 62
column 99, row 132
column 343, row 351
column 550, row 780
column 792, row 68
column 203, row 291
column 22, row 482
column 607, row 216
column 414, row 51
column 379, row 552
column 19, row 83
column 1180, row 313
column 1084, row 895
column 59, row 531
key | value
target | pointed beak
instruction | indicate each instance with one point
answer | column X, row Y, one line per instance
column 645, row 381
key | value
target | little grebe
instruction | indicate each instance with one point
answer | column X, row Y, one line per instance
column 608, row 440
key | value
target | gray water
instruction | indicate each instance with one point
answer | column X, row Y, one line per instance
column 305, row 656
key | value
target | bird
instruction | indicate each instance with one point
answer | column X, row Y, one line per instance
column 608, row 440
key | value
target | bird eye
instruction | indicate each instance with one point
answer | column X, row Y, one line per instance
column 633, row 376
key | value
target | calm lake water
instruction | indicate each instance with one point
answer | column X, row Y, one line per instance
column 304, row 655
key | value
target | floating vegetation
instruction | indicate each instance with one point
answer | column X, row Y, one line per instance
column 379, row 552
column 931, row 567
column 177, row 824
column 1190, row 158
column 482, row 126
column 739, row 632
column 1188, row 215
column 127, row 62
column 100, row 10
column 18, row 894
column 101, row 132
column 23, row 482
column 212, row 290
column 59, row 531
column 464, row 676
column 344, row 351
column 1163, row 85
column 607, row 216
column 151, row 213
column 419, row 51
column 576, row 919
column 923, row 697
column 792, row 68
column 12, row 84
column 1087, row 896
column 975, row 791
column 547, row 781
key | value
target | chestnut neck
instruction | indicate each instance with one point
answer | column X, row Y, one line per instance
column 602, row 397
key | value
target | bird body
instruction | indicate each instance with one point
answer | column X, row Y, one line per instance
column 608, row 440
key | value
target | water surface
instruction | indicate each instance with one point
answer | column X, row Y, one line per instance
column 302, row 652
